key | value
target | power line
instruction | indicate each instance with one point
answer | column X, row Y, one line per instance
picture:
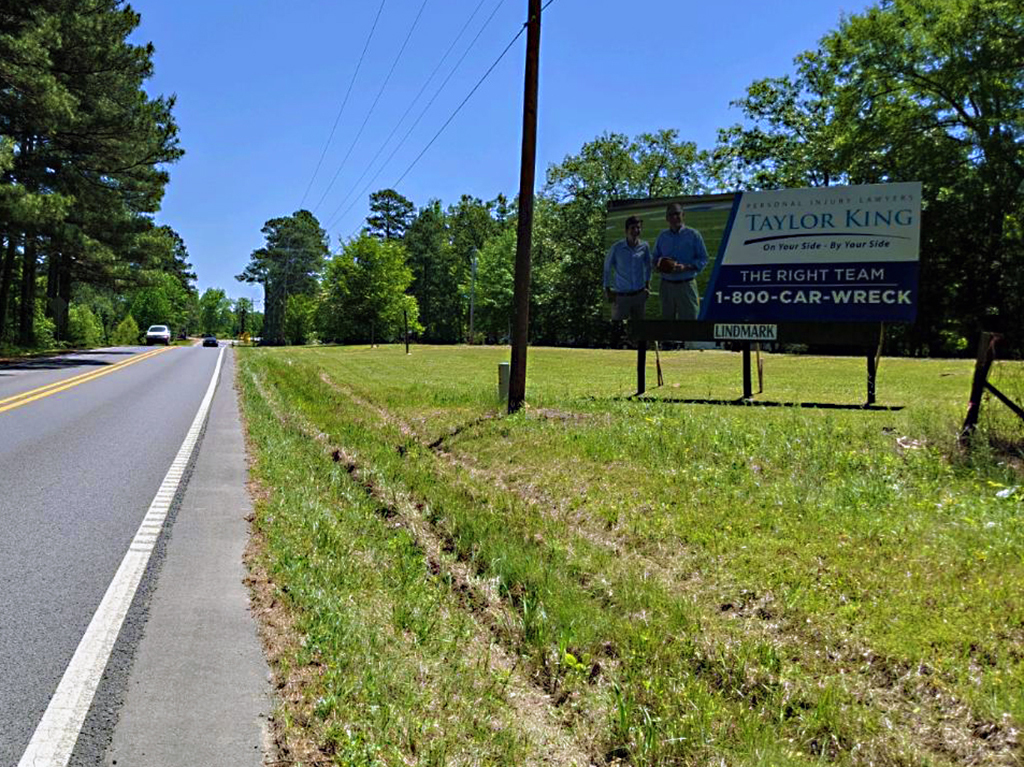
column 343, row 103
column 412, row 103
column 408, row 133
column 459, row 107
column 334, row 216
column 374, row 104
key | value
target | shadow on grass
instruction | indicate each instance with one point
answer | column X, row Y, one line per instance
column 757, row 403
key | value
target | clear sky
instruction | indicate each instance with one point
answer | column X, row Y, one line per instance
column 259, row 85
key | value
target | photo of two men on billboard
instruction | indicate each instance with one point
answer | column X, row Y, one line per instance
column 679, row 256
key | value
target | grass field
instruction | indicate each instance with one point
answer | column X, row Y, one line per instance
column 606, row 580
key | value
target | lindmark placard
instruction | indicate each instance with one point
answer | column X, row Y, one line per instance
column 737, row 332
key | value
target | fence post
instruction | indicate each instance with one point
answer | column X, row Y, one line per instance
column 981, row 367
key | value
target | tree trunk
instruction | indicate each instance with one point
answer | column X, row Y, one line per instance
column 52, row 268
column 53, row 307
column 64, row 294
column 273, row 317
column 6, row 278
column 58, row 290
column 26, row 327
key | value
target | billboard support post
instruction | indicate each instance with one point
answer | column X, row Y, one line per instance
column 864, row 335
column 641, row 365
column 872, row 371
column 873, row 359
column 760, row 369
column 748, row 389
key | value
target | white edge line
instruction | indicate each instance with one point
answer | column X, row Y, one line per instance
column 57, row 732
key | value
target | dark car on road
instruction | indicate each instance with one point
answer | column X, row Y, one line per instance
column 210, row 341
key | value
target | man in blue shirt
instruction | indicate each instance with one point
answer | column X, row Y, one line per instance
column 627, row 273
column 685, row 254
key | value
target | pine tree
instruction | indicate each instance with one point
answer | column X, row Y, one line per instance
column 391, row 214
column 289, row 264
column 87, row 145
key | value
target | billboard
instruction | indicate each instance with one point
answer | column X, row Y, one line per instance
column 836, row 254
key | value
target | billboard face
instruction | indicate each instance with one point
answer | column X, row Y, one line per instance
column 824, row 254
column 832, row 254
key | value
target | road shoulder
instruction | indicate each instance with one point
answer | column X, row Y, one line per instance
column 198, row 691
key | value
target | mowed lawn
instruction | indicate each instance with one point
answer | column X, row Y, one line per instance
column 601, row 579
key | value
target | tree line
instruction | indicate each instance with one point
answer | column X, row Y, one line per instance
column 83, row 158
column 909, row 90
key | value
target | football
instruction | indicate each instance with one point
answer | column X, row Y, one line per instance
column 665, row 265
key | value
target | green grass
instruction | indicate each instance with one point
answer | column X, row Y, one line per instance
column 676, row 582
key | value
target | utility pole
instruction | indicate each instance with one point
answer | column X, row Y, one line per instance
column 524, row 234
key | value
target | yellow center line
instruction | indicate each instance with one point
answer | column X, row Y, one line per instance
column 58, row 386
column 78, row 377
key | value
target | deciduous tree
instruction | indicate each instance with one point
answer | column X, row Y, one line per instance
column 364, row 292
column 912, row 90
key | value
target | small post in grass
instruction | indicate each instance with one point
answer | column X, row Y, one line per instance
column 872, row 372
column 503, row 379
column 472, row 295
column 405, row 316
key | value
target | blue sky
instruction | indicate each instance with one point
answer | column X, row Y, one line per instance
column 259, row 85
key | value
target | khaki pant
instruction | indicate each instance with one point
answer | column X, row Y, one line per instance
column 629, row 307
column 679, row 300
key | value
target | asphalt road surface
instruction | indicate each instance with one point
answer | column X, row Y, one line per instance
column 85, row 442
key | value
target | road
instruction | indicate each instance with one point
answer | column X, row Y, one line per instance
column 86, row 442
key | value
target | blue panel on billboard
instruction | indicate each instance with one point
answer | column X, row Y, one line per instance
column 851, row 291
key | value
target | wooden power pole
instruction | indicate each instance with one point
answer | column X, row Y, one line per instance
column 524, row 234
